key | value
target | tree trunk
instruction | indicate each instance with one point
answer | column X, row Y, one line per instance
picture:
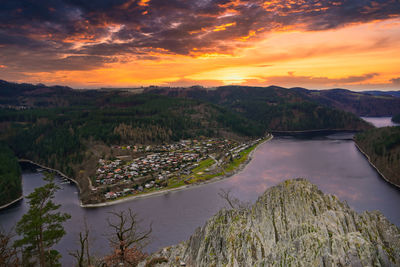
column 82, row 241
column 122, row 251
column 41, row 249
column 87, row 252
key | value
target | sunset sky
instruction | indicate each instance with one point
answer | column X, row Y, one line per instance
column 352, row 44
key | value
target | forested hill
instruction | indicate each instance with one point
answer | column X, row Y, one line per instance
column 70, row 130
column 24, row 94
column 276, row 108
column 373, row 103
column 382, row 145
column 74, row 135
column 383, row 93
column 10, row 176
column 396, row 118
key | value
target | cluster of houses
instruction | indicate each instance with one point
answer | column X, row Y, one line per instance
column 235, row 151
column 197, row 146
column 158, row 163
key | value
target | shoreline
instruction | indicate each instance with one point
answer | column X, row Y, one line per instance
column 56, row 171
column 239, row 169
column 315, row 131
column 12, row 202
column 373, row 165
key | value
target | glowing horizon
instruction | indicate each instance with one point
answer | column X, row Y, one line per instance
column 316, row 45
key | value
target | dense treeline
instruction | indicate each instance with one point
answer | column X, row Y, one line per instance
column 275, row 108
column 70, row 130
column 382, row 145
column 58, row 137
column 10, row 176
column 396, row 118
column 298, row 116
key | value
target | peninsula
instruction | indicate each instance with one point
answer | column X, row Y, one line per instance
column 84, row 134
column 166, row 168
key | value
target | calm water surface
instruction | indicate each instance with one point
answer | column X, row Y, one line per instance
column 332, row 162
column 380, row 121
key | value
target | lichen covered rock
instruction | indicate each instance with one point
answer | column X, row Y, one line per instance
column 291, row 224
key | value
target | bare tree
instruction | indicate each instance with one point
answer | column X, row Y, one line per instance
column 127, row 238
column 233, row 202
column 83, row 251
column 8, row 253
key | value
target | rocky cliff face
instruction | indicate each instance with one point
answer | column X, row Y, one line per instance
column 291, row 224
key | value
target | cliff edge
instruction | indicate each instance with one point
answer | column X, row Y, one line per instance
column 291, row 224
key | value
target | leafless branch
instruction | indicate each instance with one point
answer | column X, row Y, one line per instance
column 233, row 202
column 83, row 251
column 126, row 234
column 8, row 253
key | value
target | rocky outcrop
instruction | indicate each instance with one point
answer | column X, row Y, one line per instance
column 291, row 224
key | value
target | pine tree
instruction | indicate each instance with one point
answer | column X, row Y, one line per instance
column 41, row 227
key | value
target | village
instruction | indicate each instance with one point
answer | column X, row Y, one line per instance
column 158, row 167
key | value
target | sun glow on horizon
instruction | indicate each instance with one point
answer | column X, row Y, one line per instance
column 363, row 55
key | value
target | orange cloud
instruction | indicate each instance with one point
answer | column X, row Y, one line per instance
column 233, row 52
column 245, row 38
column 223, row 27
column 143, row 2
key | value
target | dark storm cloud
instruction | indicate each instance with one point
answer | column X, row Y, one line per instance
column 63, row 34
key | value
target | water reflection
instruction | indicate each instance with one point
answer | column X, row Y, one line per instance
column 380, row 121
column 336, row 166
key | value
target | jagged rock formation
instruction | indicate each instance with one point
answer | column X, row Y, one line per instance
column 291, row 224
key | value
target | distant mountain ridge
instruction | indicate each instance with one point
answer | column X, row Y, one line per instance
column 383, row 93
column 14, row 89
column 363, row 103
column 367, row 103
column 29, row 95
column 274, row 107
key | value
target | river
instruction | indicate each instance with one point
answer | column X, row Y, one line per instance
column 332, row 162
column 381, row 121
